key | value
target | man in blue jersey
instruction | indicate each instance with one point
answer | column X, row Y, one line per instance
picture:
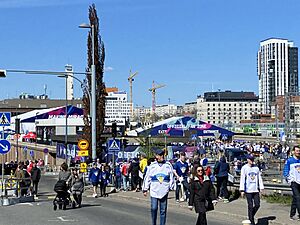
column 159, row 179
column 291, row 172
column 251, row 184
column 181, row 171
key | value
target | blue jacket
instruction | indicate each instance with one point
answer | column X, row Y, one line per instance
column 290, row 170
column 222, row 168
column 94, row 175
column 104, row 177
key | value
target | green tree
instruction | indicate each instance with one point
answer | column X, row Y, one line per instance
column 100, row 85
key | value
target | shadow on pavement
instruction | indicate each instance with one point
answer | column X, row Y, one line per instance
column 265, row 220
column 83, row 206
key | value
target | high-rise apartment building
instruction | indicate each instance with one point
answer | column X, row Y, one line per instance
column 277, row 69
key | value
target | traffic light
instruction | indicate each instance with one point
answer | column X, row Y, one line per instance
column 125, row 143
column 17, row 126
column 114, row 129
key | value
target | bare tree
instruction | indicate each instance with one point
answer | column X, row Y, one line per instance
column 100, row 85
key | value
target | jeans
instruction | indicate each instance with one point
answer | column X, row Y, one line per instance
column 185, row 188
column 162, row 209
column 296, row 199
column 118, row 182
column 252, row 210
column 125, row 180
column 222, row 190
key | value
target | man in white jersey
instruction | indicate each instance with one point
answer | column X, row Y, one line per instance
column 159, row 179
column 251, row 184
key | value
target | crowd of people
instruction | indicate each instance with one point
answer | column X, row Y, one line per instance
column 28, row 175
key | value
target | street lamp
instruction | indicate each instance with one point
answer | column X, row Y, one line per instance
column 93, row 90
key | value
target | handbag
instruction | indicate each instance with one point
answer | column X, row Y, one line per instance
column 209, row 206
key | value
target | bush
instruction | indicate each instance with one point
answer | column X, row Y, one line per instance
column 278, row 198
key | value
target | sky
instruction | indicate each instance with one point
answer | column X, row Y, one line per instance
column 191, row 46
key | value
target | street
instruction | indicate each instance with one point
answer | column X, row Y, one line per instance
column 100, row 211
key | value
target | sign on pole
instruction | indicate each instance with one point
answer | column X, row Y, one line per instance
column 5, row 118
column 4, row 146
column 113, row 145
column 83, row 144
column 83, row 153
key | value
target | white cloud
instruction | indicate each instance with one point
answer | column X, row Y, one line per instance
column 108, row 69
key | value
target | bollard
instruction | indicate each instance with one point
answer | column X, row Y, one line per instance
column 246, row 222
column 5, row 202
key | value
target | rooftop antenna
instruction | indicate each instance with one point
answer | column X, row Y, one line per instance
column 45, row 89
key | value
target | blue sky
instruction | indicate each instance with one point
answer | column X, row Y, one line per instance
column 192, row 46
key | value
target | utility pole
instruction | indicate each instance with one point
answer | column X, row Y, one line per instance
column 276, row 121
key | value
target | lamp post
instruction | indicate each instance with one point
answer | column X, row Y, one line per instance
column 93, row 90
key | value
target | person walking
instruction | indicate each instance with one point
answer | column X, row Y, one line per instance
column 77, row 186
column 202, row 195
column 64, row 173
column 104, row 180
column 181, row 172
column 251, row 185
column 94, row 178
column 221, row 171
column 35, row 177
column 160, row 180
column 134, row 172
column 292, row 176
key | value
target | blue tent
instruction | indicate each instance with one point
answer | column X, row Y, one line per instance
column 183, row 126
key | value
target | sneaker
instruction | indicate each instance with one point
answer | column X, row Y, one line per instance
column 226, row 200
column 294, row 218
column 177, row 201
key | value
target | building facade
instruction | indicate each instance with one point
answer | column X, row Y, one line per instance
column 117, row 105
column 227, row 108
column 277, row 69
column 168, row 109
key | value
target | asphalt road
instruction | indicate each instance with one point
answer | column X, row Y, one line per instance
column 100, row 211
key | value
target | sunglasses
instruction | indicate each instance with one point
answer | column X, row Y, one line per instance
column 199, row 170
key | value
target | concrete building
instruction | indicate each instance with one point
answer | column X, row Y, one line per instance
column 190, row 107
column 277, row 69
column 227, row 108
column 141, row 111
column 169, row 109
column 117, row 105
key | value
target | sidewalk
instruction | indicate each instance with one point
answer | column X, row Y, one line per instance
column 268, row 213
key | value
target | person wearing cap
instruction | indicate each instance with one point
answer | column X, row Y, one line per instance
column 251, row 184
column 292, row 176
column 159, row 179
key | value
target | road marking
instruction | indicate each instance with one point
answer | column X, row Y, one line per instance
column 61, row 219
column 26, row 203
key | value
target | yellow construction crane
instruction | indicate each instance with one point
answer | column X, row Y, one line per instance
column 130, row 79
column 153, row 90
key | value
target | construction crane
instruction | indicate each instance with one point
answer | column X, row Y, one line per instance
column 153, row 90
column 130, row 79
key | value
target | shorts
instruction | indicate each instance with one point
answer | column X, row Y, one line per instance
column 95, row 183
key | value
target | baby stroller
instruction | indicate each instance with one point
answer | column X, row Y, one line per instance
column 62, row 198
